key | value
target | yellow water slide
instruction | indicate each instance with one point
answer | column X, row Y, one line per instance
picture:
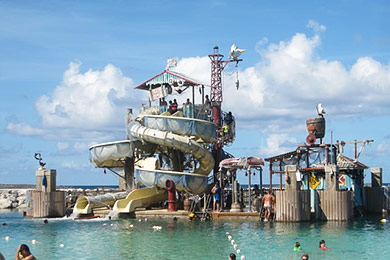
column 140, row 198
column 85, row 204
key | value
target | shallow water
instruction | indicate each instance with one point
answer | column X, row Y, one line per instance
column 114, row 239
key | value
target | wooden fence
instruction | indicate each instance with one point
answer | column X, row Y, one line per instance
column 293, row 205
column 377, row 199
column 334, row 205
column 48, row 204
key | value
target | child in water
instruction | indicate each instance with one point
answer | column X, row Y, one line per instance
column 322, row 245
column 297, row 246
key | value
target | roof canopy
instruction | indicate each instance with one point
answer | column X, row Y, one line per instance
column 313, row 157
column 168, row 77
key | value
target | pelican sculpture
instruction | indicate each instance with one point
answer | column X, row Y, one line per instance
column 235, row 52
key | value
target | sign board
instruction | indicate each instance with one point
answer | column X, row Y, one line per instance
column 342, row 180
column 157, row 93
column 314, row 182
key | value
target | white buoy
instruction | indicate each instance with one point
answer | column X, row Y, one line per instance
column 111, row 224
column 33, row 241
column 104, row 224
column 131, row 226
column 235, row 246
column 61, row 245
column 6, row 238
column 232, row 241
column 230, row 238
column 243, row 257
column 146, row 219
column 139, row 220
column 157, row 227
column 227, row 233
column 238, row 251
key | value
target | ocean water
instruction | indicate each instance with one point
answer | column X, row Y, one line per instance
column 114, row 239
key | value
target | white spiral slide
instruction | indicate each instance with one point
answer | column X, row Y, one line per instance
column 167, row 132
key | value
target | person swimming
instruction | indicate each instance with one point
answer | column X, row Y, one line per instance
column 322, row 245
column 297, row 246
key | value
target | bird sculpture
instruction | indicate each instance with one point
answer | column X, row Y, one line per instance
column 235, row 52
column 38, row 157
column 320, row 110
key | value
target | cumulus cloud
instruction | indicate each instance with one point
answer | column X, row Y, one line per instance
column 284, row 87
column 316, row 26
column 275, row 95
column 278, row 143
column 90, row 105
column 88, row 100
column 383, row 147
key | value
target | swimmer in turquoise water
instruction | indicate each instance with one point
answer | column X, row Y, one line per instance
column 322, row 245
column 297, row 246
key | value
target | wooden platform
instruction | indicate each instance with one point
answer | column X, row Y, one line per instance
column 164, row 213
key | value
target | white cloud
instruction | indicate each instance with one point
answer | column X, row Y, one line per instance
column 88, row 100
column 316, row 26
column 284, row 87
column 383, row 148
column 24, row 129
column 276, row 94
column 75, row 165
column 278, row 143
column 62, row 146
column 90, row 105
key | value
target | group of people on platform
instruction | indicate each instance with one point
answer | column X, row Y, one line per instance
column 172, row 106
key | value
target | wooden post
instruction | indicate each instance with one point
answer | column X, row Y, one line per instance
column 129, row 173
column 331, row 179
column 376, row 177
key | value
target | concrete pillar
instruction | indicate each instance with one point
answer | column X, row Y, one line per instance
column 376, row 177
column 292, row 184
column 236, row 207
column 51, row 181
column 331, row 173
column 47, row 202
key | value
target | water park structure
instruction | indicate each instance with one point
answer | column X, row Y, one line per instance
column 172, row 155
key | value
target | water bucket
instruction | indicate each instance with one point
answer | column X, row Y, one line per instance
column 316, row 126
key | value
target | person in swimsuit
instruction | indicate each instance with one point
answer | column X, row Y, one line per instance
column 23, row 252
column 322, row 245
column 268, row 203
column 216, row 190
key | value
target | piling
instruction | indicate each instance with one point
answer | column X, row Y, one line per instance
column 46, row 200
column 292, row 204
column 377, row 196
column 333, row 204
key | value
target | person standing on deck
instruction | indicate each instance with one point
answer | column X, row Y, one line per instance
column 268, row 203
column 216, row 190
column 174, row 106
column 207, row 101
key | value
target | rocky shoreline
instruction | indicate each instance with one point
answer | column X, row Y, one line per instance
column 16, row 196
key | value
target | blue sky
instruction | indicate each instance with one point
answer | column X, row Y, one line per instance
column 68, row 68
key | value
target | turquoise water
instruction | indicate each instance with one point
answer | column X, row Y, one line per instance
column 114, row 239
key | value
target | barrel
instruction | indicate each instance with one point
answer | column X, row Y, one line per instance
column 316, row 126
column 187, row 204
